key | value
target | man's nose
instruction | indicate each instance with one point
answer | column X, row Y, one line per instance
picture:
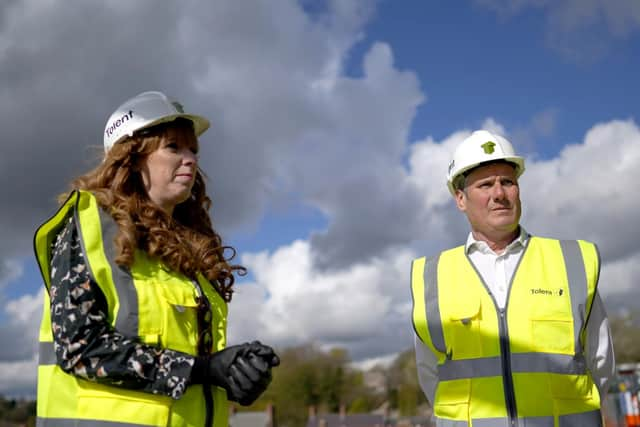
column 498, row 192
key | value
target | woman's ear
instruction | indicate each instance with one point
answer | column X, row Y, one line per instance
column 136, row 163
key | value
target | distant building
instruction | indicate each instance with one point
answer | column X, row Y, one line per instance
column 253, row 419
column 417, row 421
column 342, row 419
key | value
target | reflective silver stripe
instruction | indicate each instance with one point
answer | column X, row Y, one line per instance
column 74, row 422
column 584, row 419
column 535, row 422
column 431, row 303
column 520, row 363
column 588, row 419
column 444, row 422
column 548, row 362
column 46, row 353
column 493, row 422
column 470, row 368
column 578, row 286
column 127, row 319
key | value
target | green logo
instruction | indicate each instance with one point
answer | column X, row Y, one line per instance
column 178, row 107
column 488, row 147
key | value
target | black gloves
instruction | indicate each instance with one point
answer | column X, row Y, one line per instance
column 244, row 370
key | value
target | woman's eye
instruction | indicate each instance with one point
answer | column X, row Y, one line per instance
column 172, row 146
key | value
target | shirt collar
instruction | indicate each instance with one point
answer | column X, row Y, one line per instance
column 474, row 244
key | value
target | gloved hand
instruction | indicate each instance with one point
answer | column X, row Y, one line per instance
column 244, row 370
column 265, row 352
column 259, row 358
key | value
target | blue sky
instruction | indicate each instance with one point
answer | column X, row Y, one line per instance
column 332, row 126
column 472, row 62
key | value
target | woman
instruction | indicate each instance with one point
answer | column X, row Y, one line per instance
column 134, row 324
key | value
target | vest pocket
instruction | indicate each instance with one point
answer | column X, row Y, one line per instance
column 452, row 399
column 180, row 323
column 552, row 335
column 464, row 328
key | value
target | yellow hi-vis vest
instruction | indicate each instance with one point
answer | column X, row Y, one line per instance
column 149, row 302
column 521, row 366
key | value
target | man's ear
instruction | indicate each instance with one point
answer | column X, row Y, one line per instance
column 461, row 200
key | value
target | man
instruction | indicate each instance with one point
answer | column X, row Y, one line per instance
column 510, row 329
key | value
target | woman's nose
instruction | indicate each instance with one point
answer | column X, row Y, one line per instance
column 189, row 157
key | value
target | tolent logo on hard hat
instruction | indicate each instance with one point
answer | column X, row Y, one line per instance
column 116, row 124
column 488, row 147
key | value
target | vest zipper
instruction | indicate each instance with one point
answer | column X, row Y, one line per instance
column 505, row 348
column 206, row 389
column 507, row 375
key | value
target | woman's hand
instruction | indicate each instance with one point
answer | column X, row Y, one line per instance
column 244, row 370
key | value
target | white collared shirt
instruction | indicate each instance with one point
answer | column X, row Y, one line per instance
column 497, row 271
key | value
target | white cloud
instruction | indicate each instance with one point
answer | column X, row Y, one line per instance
column 587, row 191
column 287, row 123
column 621, row 17
column 349, row 163
column 26, row 308
column 19, row 338
column 581, row 30
column 248, row 66
column 10, row 269
column 19, row 378
column 428, row 163
column 620, row 278
column 365, row 306
column 356, row 307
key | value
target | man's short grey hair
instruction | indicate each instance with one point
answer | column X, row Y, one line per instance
column 460, row 181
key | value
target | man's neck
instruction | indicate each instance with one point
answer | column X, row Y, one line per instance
column 497, row 242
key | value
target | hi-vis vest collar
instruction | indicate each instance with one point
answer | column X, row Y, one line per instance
column 149, row 302
column 520, row 366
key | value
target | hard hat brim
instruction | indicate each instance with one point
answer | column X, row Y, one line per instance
column 517, row 161
column 200, row 125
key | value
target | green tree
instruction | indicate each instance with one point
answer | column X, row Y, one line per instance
column 18, row 412
column 625, row 332
column 308, row 376
column 403, row 390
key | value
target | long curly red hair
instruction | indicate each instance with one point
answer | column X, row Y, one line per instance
column 186, row 241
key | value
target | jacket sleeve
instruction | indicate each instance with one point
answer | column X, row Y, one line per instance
column 85, row 343
column 599, row 347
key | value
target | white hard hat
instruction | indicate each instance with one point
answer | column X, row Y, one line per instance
column 144, row 111
column 480, row 147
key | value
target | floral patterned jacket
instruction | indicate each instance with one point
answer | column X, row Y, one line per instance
column 86, row 344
